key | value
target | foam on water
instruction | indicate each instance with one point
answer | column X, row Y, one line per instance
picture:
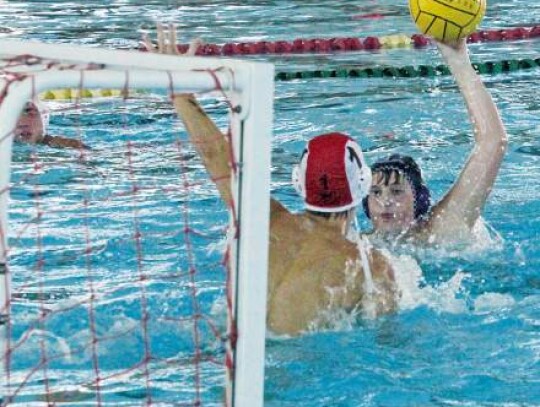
column 490, row 302
column 414, row 292
column 450, row 295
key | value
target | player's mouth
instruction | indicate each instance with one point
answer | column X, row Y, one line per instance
column 387, row 216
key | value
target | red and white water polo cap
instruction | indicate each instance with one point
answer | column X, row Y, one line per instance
column 332, row 175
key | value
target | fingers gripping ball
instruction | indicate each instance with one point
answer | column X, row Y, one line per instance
column 447, row 20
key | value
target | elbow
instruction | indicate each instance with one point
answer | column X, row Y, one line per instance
column 502, row 143
column 492, row 149
column 498, row 143
column 502, row 138
column 498, row 148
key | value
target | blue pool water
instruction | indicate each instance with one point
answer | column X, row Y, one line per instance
column 469, row 334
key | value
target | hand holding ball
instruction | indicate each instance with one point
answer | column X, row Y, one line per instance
column 447, row 20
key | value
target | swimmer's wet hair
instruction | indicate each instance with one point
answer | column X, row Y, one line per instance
column 397, row 164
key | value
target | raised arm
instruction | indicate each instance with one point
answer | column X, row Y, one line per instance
column 464, row 202
column 212, row 146
column 208, row 140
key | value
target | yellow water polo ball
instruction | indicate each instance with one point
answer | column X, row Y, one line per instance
column 447, row 20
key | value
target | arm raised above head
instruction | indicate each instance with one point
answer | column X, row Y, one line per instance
column 206, row 137
column 208, row 140
column 211, row 144
column 464, row 202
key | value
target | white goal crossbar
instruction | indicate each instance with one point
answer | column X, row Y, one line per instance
column 249, row 85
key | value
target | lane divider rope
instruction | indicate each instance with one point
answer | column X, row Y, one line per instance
column 350, row 44
column 383, row 71
column 490, row 67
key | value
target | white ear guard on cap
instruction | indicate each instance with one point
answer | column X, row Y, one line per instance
column 298, row 175
column 358, row 172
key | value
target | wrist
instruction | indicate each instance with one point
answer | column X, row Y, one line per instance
column 458, row 60
column 184, row 96
column 461, row 67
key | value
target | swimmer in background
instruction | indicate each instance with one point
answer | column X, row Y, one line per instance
column 32, row 128
column 314, row 269
column 399, row 203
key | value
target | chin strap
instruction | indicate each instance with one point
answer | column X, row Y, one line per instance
column 353, row 234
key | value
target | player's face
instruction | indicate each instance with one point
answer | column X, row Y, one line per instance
column 391, row 202
column 29, row 127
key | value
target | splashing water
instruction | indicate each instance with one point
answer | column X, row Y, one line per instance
column 415, row 292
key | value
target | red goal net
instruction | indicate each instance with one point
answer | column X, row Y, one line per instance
column 119, row 259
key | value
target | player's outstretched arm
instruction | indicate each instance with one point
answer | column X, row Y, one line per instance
column 63, row 142
column 464, row 202
column 207, row 139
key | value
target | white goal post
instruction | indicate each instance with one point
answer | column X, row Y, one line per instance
column 249, row 85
